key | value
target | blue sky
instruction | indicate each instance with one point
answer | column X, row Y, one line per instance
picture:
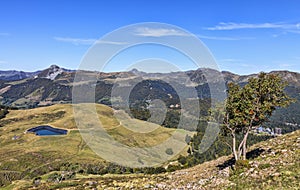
column 244, row 37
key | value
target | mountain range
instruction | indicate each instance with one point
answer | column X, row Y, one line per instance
column 55, row 84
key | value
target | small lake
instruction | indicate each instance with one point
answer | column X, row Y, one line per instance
column 46, row 130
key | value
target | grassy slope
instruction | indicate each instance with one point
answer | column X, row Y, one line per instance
column 30, row 153
column 276, row 167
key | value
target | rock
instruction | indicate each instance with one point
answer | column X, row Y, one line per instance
column 161, row 186
column 202, row 181
column 224, row 172
column 276, row 174
column 147, row 186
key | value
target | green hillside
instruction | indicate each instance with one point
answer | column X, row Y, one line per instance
column 25, row 156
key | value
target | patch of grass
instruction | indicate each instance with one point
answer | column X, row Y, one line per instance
column 264, row 166
column 64, row 185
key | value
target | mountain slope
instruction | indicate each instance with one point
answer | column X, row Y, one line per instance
column 273, row 164
column 16, row 75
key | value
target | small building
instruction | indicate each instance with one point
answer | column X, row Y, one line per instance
column 278, row 131
column 260, row 129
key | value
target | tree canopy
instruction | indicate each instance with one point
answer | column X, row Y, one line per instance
column 249, row 106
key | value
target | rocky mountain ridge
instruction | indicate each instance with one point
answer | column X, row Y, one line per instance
column 55, row 84
column 54, row 70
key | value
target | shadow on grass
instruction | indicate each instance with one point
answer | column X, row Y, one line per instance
column 250, row 155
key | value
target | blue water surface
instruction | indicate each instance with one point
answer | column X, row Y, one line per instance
column 45, row 132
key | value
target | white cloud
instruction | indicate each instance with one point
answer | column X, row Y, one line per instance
column 82, row 41
column 3, row 62
column 158, row 32
column 224, row 38
column 234, row 26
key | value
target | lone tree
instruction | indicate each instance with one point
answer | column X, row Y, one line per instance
column 248, row 107
column 3, row 111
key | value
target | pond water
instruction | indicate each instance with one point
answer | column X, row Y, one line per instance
column 46, row 130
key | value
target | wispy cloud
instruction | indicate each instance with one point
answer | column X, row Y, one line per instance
column 294, row 31
column 235, row 26
column 76, row 41
column 3, row 62
column 158, row 32
column 4, row 34
column 231, row 60
column 111, row 42
column 82, row 41
column 286, row 65
column 224, row 38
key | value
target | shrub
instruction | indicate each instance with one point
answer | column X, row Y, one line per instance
column 264, row 166
column 169, row 151
column 172, row 168
column 241, row 164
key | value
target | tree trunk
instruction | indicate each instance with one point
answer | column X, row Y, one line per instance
column 234, row 147
column 245, row 145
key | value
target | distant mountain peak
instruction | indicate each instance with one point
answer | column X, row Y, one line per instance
column 135, row 71
column 51, row 73
column 54, row 66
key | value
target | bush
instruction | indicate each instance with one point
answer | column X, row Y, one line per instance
column 58, row 177
column 54, row 177
column 152, row 170
column 172, row 168
column 264, row 166
column 36, row 181
column 242, row 164
column 182, row 160
column 169, row 151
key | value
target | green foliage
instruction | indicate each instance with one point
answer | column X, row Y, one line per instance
column 152, row 170
column 169, row 151
column 249, row 106
column 9, row 176
column 264, row 166
column 240, row 164
column 254, row 103
column 57, row 177
column 239, row 167
column 182, row 160
column 3, row 112
column 172, row 168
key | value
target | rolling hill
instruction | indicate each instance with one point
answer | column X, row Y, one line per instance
column 24, row 155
